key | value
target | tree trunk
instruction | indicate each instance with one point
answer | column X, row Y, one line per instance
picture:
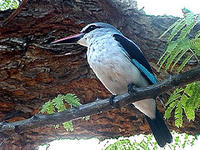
column 32, row 71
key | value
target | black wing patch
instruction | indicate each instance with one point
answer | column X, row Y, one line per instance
column 135, row 54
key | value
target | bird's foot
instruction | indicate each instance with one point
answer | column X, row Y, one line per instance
column 111, row 100
column 131, row 88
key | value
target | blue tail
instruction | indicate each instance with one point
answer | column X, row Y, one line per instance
column 159, row 129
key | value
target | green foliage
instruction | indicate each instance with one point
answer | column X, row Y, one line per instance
column 8, row 4
column 68, row 126
column 121, row 145
column 187, row 100
column 147, row 142
column 126, row 144
column 58, row 105
column 180, row 47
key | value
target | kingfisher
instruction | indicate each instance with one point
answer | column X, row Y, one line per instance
column 120, row 65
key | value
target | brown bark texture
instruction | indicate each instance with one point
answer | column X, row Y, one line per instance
column 32, row 71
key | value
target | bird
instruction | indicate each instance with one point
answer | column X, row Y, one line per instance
column 120, row 65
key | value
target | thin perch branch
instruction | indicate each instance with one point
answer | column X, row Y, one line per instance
column 101, row 105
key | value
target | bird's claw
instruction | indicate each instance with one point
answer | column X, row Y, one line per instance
column 111, row 100
column 131, row 88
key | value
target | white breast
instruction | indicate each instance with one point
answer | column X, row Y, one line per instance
column 112, row 66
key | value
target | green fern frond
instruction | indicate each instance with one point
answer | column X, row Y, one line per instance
column 175, row 95
column 58, row 105
column 72, row 100
column 185, row 31
column 189, row 19
column 197, row 34
column 171, row 27
column 121, row 145
column 187, row 99
column 172, row 57
column 48, row 107
column 190, row 113
column 178, row 115
column 68, row 126
column 170, row 108
column 187, row 59
column 185, row 140
column 178, row 58
column 163, row 59
column 195, row 45
column 176, row 30
column 180, row 45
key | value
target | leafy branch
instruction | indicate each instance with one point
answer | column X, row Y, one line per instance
column 99, row 105
column 182, row 48
column 187, row 99
column 148, row 143
column 58, row 105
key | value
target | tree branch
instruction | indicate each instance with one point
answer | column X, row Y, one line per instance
column 101, row 105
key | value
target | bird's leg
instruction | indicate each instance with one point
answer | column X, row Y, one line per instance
column 111, row 99
column 112, row 102
column 131, row 88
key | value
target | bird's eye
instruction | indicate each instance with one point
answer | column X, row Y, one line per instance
column 90, row 28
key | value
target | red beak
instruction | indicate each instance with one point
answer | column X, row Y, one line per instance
column 69, row 39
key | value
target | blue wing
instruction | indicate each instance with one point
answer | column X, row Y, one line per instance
column 137, row 58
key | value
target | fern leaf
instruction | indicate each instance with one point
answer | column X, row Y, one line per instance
column 165, row 53
column 190, row 112
column 48, row 107
column 176, row 29
column 189, row 19
column 72, row 100
column 187, row 99
column 184, row 63
column 171, row 27
column 189, row 89
column 197, row 92
column 178, row 115
column 171, row 107
column 170, row 60
column 195, row 45
column 192, row 103
column 121, row 145
column 68, row 126
column 174, row 96
column 184, row 100
column 186, row 30
column 185, row 141
column 58, row 103
column 197, row 35
column 178, row 58
column 164, row 59
column 183, row 43
column 171, row 46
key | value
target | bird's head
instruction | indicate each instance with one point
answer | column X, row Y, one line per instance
column 89, row 33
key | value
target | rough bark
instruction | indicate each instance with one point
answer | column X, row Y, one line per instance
column 32, row 71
